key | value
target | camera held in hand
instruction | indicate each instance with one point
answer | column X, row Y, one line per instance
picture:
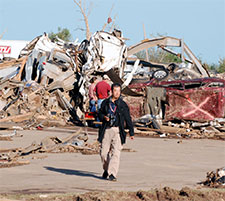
column 112, row 119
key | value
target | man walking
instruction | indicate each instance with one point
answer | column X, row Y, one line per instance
column 114, row 113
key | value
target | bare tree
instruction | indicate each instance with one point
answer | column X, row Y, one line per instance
column 82, row 6
column 2, row 34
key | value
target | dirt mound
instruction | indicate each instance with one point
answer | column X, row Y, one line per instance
column 165, row 194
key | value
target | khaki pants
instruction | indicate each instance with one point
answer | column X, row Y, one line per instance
column 110, row 150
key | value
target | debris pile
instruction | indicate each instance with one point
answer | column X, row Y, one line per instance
column 32, row 105
column 48, row 86
column 215, row 179
column 149, row 127
column 49, row 82
column 36, row 89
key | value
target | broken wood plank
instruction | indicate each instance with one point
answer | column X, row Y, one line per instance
column 71, row 136
column 18, row 118
column 168, row 129
column 18, row 76
column 6, row 64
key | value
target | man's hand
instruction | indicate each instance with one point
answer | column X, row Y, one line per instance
column 106, row 118
column 132, row 137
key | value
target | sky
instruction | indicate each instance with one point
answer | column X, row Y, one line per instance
column 201, row 23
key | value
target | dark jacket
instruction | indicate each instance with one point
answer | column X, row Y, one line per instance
column 123, row 115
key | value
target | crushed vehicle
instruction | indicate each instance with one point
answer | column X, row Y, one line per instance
column 197, row 99
column 189, row 68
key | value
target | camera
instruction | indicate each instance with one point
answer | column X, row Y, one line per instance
column 112, row 119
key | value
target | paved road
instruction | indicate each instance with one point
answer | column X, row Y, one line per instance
column 156, row 163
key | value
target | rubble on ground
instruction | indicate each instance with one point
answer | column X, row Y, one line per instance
column 215, row 179
column 149, row 127
column 32, row 106
column 75, row 143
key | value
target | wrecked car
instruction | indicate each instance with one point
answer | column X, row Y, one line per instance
column 197, row 99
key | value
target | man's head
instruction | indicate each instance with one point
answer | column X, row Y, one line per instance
column 93, row 80
column 116, row 90
column 105, row 77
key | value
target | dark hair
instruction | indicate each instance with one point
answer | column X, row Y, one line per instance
column 116, row 85
column 93, row 79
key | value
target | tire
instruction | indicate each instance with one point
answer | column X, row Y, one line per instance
column 160, row 74
column 83, row 46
